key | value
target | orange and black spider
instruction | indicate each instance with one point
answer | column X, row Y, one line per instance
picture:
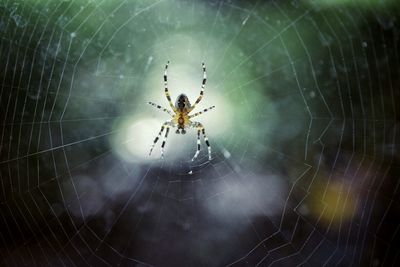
column 180, row 116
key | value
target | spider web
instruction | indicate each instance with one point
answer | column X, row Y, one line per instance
column 304, row 134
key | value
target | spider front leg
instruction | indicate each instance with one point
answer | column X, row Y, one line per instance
column 165, row 125
column 200, row 128
column 198, row 145
column 164, row 141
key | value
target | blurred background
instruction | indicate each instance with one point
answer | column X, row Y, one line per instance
column 304, row 136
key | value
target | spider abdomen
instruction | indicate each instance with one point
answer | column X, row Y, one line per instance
column 182, row 102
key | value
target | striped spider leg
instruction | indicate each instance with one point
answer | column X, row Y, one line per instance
column 201, row 112
column 200, row 129
column 167, row 95
column 161, row 108
column 203, row 84
column 165, row 126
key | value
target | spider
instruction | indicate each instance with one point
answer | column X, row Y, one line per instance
column 180, row 116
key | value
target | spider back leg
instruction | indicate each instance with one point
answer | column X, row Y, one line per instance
column 201, row 112
column 167, row 95
column 161, row 108
column 203, row 84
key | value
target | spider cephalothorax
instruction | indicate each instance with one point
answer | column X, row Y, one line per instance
column 181, row 118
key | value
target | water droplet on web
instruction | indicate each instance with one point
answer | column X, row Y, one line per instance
column 227, row 154
column 245, row 20
column 364, row 44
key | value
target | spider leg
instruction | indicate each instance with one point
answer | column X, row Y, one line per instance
column 201, row 128
column 198, row 145
column 201, row 112
column 165, row 140
column 203, row 83
column 161, row 108
column 157, row 138
column 207, row 143
column 166, row 88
